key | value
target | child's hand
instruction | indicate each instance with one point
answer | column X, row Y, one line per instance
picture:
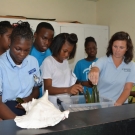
column 75, row 89
column 19, row 106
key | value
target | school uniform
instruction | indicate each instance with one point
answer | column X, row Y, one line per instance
column 40, row 56
column 112, row 79
column 17, row 81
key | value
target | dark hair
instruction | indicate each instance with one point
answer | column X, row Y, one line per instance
column 60, row 39
column 125, row 37
column 89, row 39
column 22, row 30
column 4, row 26
column 44, row 25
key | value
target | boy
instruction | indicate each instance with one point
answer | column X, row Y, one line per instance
column 43, row 37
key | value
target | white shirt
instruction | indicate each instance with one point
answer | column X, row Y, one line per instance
column 60, row 73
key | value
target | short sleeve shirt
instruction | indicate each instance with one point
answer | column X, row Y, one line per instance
column 40, row 56
column 17, row 81
column 60, row 73
column 111, row 79
column 82, row 68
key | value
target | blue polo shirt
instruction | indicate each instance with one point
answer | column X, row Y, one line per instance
column 40, row 56
column 17, row 81
column 111, row 79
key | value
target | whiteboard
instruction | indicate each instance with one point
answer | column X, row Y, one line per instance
column 100, row 33
column 80, row 47
column 101, row 36
column 33, row 23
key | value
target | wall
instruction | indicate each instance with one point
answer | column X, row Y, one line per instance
column 62, row 10
column 118, row 15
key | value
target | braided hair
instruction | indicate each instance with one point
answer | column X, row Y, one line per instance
column 21, row 30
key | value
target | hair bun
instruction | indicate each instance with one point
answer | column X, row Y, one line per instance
column 73, row 38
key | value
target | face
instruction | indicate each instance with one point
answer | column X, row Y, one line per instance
column 43, row 39
column 91, row 49
column 5, row 39
column 20, row 49
column 119, row 48
column 64, row 52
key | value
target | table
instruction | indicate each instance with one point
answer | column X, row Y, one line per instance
column 105, row 121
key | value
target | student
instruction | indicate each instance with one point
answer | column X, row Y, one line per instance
column 5, row 33
column 17, row 72
column 43, row 38
column 83, row 66
column 114, row 73
column 56, row 74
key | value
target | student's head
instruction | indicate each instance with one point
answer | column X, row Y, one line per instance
column 120, row 46
column 90, row 47
column 64, row 46
column 5, row 33
column 43, row 36
column 21, row 42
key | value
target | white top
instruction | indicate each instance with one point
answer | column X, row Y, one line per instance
column 111, row 79
column 60, row 73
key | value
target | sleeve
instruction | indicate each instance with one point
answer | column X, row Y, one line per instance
column 131, row 76
column 1, row 83
column 47, row 69
column 77, row 71
column 100, row 63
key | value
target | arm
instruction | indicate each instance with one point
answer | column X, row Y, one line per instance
column 85, row 83
column 94, row 75
column 34, row 94
column 124, row 95
column 5, row 112
column 55, row 90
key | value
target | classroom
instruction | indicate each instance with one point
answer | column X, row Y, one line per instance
column 83, row 83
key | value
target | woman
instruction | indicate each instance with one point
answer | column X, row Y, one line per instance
column 17, row 73
column 57, row 76
column 114, row 74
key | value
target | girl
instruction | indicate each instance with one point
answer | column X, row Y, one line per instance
column 5, row 33
column 82, row 67
column 57, row 76
column 17, row 73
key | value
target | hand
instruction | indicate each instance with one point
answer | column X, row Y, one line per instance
column 94, row 75
column 19, row 106
column 75, row 89
column 117, row 104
